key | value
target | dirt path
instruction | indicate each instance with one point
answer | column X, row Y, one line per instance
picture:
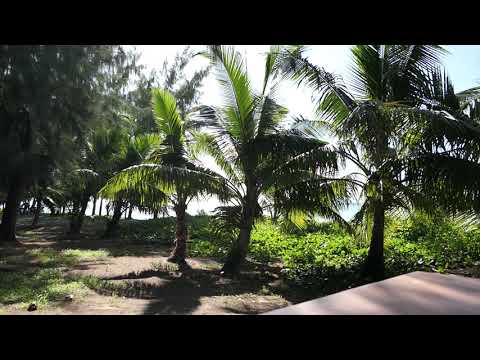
column 145, row 283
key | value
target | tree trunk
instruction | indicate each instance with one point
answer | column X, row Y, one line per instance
column 155, row 214
column 275, row 211
column 63, row 210
column 179, row 252
column 9, row 215
column 375, row 266
column 94, row 205
column 239, row 251
column 38, row 209
column 275, row 214
column 53, row 210
column 78, row 216
column 100, row 207
column 130, row 210
column 112, row 226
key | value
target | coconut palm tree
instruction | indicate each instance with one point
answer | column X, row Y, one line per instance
column 389, row 122
column 95, row 166
column 171, row 169
column 449, row 170
column 250, row 141
column 134, row 150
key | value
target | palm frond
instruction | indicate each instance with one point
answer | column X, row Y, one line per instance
column 167, row 117
column 270, row 116
column 240, row 102
column 472, row 93
column 208, row 144
column 270, row 64
column 333, row 99
column 168, row 179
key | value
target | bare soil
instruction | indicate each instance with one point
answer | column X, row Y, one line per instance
column 150, row 285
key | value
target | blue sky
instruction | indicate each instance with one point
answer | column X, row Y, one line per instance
column 462, row 65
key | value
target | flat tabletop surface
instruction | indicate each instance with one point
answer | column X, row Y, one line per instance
column 416, row 293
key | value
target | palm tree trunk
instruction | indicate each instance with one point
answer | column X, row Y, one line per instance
column 275, row 211
column 179, row 253
column 112, row 226
column 100, row 207
column 9, row 215
column 78, row 215
column 94, row 205
column 130, row 210
column 239, row 251
column 36, row 215
column 375, row 266
column 155, row 214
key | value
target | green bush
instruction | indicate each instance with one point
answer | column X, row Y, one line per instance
column 155, row 230
column 324, row 254
column 436, row 243
column 204, row 237
column 326, row 257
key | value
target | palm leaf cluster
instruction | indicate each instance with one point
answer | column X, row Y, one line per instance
column 397, row 120
column 401, row 125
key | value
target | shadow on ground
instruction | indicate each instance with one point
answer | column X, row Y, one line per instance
column 157, row 288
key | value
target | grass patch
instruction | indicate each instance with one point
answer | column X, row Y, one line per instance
column 41, row 287
column 164, row 266
column 102, row 286
column 46, row 284
column 68, row 257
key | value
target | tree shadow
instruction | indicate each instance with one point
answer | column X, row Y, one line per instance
column 175, row 292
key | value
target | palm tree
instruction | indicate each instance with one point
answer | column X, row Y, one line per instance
column 387, row 128
column 255, row 151
column 95, row 166
column 450, row 168
column 169, row 169
column 134, row 150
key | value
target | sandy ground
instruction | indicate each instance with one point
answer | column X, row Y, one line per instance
column 153, row 285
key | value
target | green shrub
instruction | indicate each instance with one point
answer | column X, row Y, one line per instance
column 324, row 254
column 151, row 231
column 422, row 242
column 204, row 237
